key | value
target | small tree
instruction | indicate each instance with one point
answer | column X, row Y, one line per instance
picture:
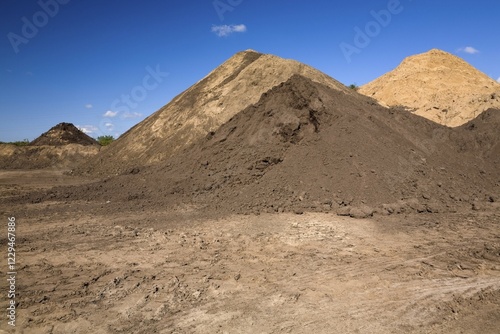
column 24, row 142
column 353, row 87
column 105, row 140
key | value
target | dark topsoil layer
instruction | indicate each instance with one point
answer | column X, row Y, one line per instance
column 306, row 147
column 64, row 134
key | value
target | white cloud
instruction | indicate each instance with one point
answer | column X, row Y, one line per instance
column 88, row 129
column 109, row 126
column 498, row 80
column 132, row 115
column 89, row 106
column 469, row 49
column 110, row 114
column 225, row 30
column 240, row 28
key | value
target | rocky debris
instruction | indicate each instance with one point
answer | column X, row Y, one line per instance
column 359, row 212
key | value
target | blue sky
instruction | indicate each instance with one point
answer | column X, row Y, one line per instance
column 106, row 65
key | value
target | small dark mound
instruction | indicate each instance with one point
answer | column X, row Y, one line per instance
column 64, row 134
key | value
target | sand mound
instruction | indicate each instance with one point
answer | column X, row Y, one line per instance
column 438, row 86
column 227, row 90
column 64, row 134
column 41, row 157
column 306, row 146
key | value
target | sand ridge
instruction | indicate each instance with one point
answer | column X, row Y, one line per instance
column 437, row 85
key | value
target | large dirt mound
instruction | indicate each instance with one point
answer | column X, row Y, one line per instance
column 64, row 134
column 438, row 86
column 227, row 90
column 306, row 146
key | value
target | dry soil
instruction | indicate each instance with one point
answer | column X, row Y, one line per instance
column 82, row 270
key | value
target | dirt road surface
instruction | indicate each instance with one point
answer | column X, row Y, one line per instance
column 181, row 271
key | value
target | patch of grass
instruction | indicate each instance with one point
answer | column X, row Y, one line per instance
column 24, row 142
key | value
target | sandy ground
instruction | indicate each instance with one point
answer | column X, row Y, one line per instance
column 183, row 272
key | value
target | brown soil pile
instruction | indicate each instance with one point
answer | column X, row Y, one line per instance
column 438, row 86
column 63, row 146
column 202, row 108
column 306, row 146
column 64, row 134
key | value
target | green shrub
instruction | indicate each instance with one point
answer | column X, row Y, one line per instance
column 105, row 140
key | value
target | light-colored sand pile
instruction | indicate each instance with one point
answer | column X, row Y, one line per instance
column 438, row 86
